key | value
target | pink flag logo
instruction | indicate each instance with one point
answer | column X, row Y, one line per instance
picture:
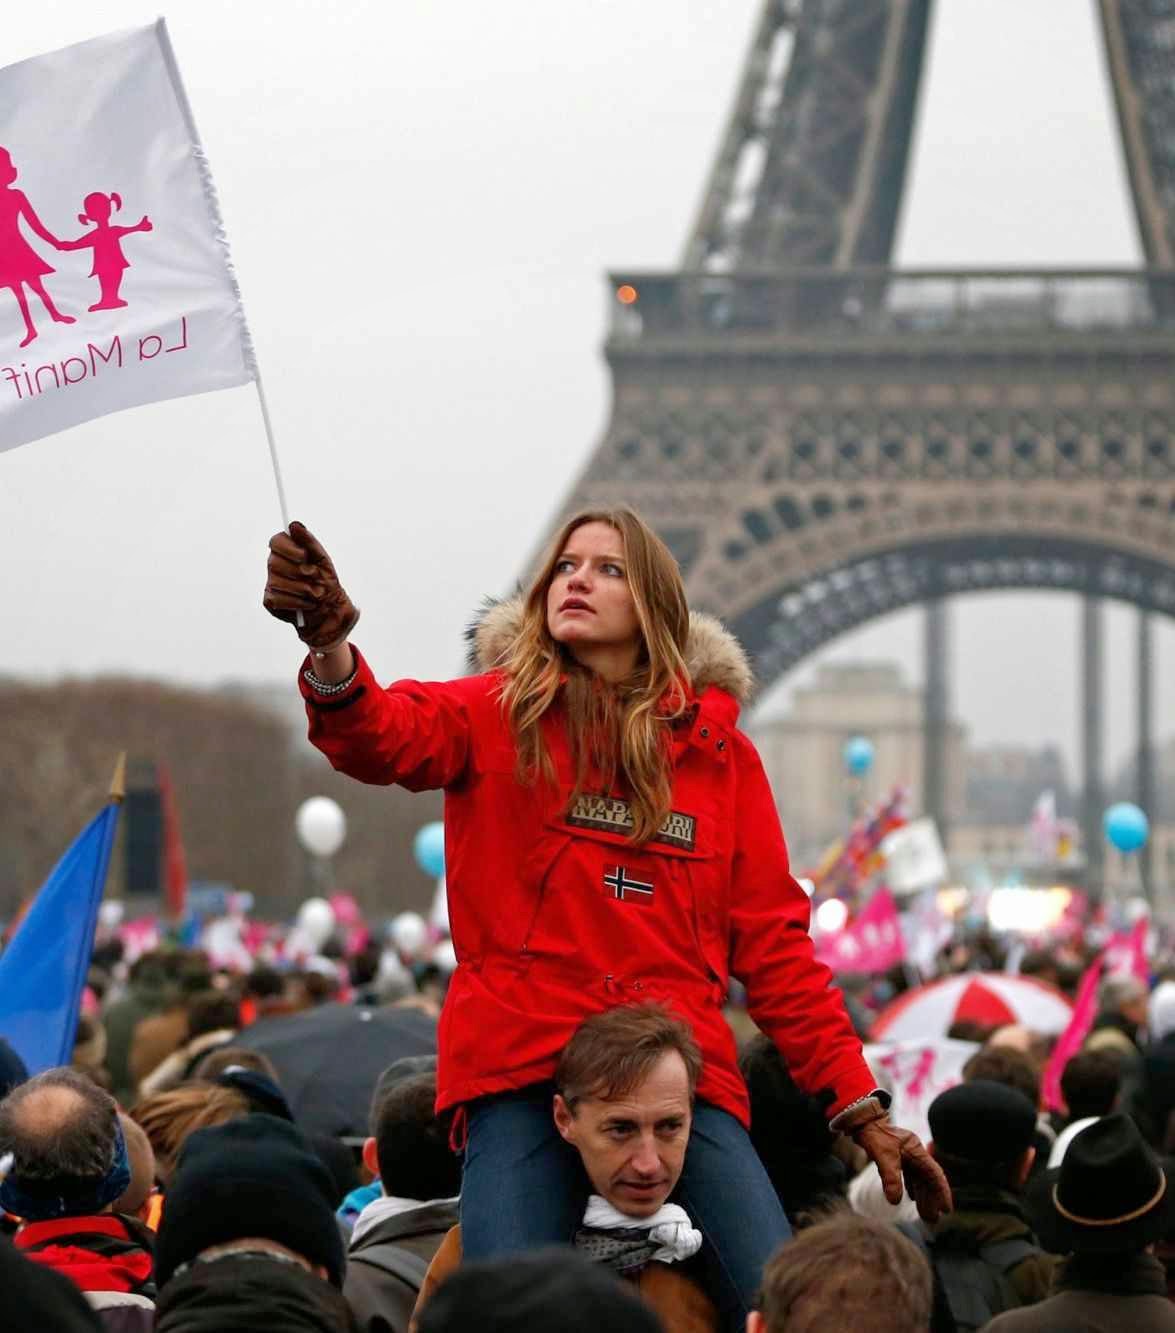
column 106, row 242
column 24, row 270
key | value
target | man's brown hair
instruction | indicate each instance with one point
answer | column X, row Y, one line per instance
column 847, row 1272
column 613, row 1052
column 1002, row 1064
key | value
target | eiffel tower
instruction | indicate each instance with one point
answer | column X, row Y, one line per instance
column 823, row 439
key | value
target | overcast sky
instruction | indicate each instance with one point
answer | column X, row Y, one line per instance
column 422, row 199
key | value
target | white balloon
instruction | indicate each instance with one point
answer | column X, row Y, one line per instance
column 445, row 957
column 321, row 825
column 409, row 933
column 111, row 912
column 831, row 915
column 316, row 920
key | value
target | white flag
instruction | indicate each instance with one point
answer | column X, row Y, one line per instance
column 914, row 858
column 116, row 286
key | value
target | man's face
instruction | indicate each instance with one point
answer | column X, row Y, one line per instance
column 633, row 1147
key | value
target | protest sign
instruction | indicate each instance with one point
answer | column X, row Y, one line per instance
column 915, row 1072
column 914, row 858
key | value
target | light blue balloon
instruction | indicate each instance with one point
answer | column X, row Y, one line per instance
column 429, row 849
column 1127, row 827
column 858, row 755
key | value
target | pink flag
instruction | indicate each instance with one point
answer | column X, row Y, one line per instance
column 872, row 943
column 1126, row 952
column 1072, row 1039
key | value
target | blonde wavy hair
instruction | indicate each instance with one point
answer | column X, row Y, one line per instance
column 617, row 730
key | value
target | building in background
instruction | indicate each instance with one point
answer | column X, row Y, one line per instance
column 803, row 751
column 990, row 794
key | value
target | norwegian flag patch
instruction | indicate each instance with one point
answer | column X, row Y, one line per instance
column 619, row 884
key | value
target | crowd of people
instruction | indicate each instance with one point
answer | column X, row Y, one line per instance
column 588, row 1133
column 166, row 1184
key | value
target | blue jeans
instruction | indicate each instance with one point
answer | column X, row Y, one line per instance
column 524, row 1187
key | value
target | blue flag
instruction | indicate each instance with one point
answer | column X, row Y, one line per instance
column 43, row 970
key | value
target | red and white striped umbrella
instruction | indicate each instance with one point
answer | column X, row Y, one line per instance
column 991, row 999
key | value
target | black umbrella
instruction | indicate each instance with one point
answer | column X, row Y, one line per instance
column 329, row 1059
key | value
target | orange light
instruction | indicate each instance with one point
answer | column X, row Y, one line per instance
column 626, row 295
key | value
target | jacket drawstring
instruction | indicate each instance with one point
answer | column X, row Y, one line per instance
column 459, row 1131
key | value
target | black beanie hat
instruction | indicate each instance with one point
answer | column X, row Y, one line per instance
column 256, row 1176
column 262, row 1092
column 982, row 1121
column 545, row 1289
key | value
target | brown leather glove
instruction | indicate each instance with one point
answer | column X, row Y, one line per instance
column 899, row 1155
column 302, row 578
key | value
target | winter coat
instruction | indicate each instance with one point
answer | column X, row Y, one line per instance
column 382, row 1296
column 556, row 915
column 678, row 1302
column 181, row 1064
column 36, row 1297
column 1133, row 1298
column 244, row 1292
column 987, row 1216
column 121, row 1020
column 107, row 1256
column 1150, row 1098
column 155, row 1038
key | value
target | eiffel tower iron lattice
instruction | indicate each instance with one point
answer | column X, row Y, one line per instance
column 822, row 438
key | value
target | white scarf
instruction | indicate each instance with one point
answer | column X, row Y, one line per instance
column 669, row 1228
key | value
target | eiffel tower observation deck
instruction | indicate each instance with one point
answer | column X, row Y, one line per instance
column 824, row 439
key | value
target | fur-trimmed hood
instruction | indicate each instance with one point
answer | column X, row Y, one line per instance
column 713, row 655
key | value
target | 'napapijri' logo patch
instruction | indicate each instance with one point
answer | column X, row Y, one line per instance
column 613, row 814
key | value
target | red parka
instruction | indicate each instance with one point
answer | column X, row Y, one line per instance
column 556, row 915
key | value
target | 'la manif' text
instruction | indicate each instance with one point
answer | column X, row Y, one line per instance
column 98, row 359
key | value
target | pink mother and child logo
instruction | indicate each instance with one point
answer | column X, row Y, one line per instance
column 22, row 267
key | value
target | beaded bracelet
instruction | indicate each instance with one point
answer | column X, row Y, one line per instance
column 323, row 687
column 880, row 1100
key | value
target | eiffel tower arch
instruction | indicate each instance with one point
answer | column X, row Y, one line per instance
column 823, row 438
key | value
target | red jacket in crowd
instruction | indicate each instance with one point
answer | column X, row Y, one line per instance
column 555, row 915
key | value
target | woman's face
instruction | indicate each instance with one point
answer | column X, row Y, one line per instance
column 589, row 602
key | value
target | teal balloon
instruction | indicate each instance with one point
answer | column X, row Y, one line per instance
column 429, row 849
column 1126, row 826
column 858, row 755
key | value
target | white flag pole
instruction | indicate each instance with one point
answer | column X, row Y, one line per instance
column 277, row 471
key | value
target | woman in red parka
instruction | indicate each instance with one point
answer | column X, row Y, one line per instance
column 610, row 837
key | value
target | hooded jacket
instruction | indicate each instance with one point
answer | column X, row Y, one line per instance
column 556, row 915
